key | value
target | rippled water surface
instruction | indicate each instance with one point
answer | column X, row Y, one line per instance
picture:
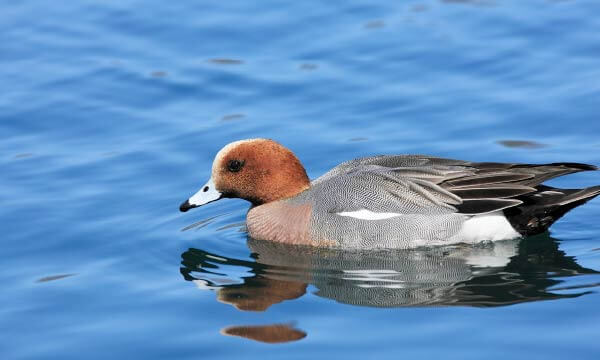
column 111, row 113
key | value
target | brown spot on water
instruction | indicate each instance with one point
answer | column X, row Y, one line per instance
column 270, row 334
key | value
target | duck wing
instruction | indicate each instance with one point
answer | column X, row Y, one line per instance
column 423, row 184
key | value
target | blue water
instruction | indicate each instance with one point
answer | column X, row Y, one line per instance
column 111, row 114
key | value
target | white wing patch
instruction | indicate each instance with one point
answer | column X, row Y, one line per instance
column 365, row 214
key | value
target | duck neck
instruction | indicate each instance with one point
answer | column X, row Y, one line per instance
column 284, row 190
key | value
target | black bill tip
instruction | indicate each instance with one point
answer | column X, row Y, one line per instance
column 185, row 206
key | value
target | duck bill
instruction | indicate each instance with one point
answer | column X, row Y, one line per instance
column 208, row 193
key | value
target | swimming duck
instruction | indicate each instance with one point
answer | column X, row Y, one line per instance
column 388, row 201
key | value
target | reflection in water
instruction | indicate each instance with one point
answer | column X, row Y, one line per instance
column 225, row 61
column 258, row 293
column 374, row 24
column 272, row 334
column 419, row 8
column 202, row 223
column 356, row 139
column 523, row 144
column 308, row 66
column 494, row 274
column 472, row 2
column 158, row 74
column 232, row 117
column 54, row 277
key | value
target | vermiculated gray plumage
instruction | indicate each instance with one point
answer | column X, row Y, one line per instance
column 434, row 197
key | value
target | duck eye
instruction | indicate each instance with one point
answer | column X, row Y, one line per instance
column 234, row 165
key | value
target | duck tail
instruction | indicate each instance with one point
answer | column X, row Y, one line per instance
column 543, row 207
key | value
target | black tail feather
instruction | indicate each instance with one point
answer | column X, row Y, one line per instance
column 542, row 208
column 578, row 166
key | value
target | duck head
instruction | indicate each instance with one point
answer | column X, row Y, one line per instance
column 257, row 170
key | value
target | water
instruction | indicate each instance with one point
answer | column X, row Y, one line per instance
column 111, row 113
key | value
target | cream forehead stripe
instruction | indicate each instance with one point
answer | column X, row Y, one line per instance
column 221, row 154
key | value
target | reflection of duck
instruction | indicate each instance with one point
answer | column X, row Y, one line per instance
column 271, row 334
column 492, row 274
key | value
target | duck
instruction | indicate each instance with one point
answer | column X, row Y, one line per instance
column 388, row 201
